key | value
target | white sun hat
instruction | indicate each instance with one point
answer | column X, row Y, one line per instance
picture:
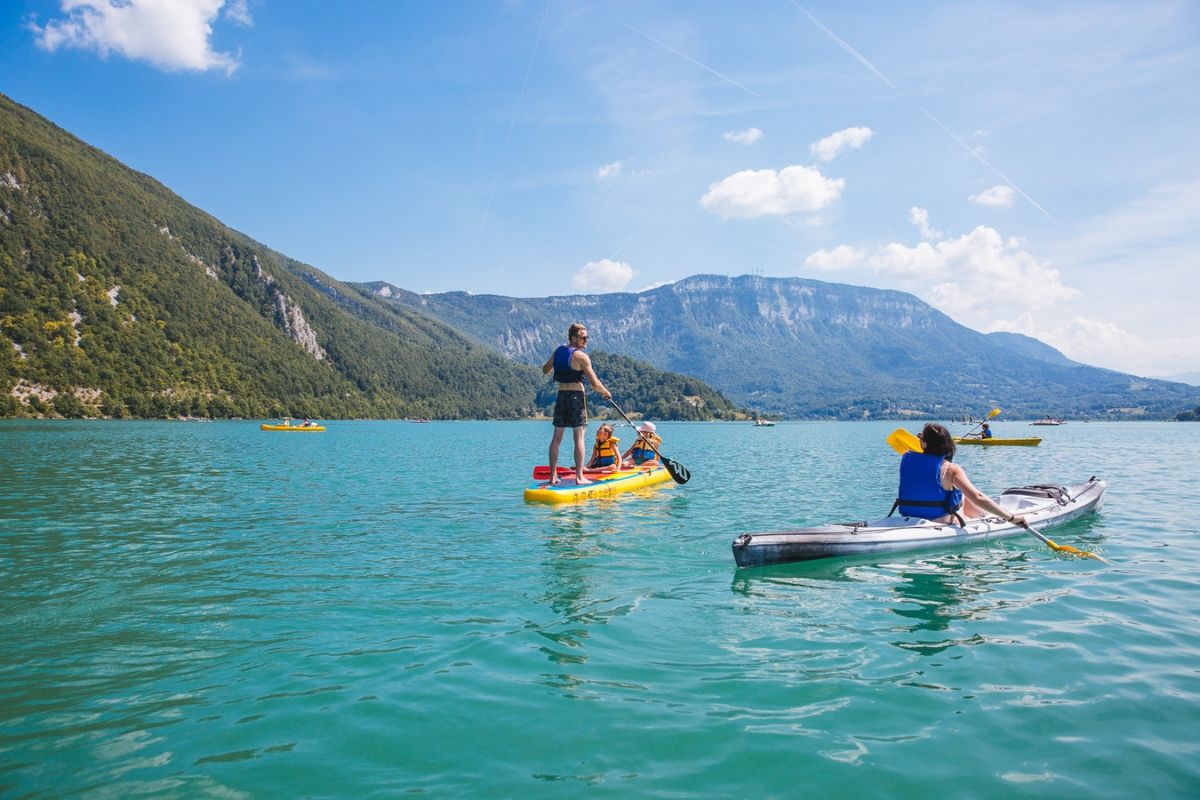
column 647, row 427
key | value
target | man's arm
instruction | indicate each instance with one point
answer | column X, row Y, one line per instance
column 589, row 373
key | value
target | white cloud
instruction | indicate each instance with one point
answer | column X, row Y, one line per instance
column 979, row 271
column 169, row 34
column 609, row 171
column 239, row 12
column 998, row 197
column 920, row 218
column 757, row 193
column 748, row 136
column 1092, row 342
column 603, row 276
column 832, row 145
column 839, row 258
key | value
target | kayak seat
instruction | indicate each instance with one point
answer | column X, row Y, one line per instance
column 1059, row 494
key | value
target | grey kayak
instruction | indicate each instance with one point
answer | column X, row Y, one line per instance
column 1043, row 506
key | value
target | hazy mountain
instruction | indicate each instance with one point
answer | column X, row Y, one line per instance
column 1033, row 348
column 1190, row 378
column 809, row 348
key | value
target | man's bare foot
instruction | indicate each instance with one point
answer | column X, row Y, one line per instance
column 580, row 480
column 555, row 481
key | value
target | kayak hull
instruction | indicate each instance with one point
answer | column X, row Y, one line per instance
column 1031, row 441
column 301, row 428
column 565, row 491
column 896, row 534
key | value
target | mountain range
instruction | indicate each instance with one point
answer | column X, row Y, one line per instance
column 805, row 348
column 117, row 298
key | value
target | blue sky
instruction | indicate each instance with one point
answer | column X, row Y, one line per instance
column 1021, row 166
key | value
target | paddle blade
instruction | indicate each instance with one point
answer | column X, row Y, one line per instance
column 678, row 472
column 902, row 441
column 1062, row 548
column 1066, row 548
column 995, row 412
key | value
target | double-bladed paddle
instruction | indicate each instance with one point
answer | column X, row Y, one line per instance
column 902, row 441
column 678, row 472
column 995, row 412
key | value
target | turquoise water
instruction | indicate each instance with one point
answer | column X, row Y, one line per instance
column 208, row 610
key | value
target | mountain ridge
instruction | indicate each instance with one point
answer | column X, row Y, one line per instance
column 807, row 348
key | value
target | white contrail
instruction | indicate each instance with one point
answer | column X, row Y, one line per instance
column 513, row 122
column 621, row 247
column 862, row 60
column 689, row 58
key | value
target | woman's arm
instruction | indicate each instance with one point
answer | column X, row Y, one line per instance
column 959, row 480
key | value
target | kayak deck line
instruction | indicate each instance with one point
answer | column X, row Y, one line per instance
column 1043, row 506
column 567, row 491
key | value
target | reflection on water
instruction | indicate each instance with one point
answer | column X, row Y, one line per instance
column 931, row 594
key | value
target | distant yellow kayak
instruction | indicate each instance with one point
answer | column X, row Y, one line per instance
column 304, row 428
column 565, row 491
column 1032, row 441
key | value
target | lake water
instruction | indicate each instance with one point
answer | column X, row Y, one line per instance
column 209, row 610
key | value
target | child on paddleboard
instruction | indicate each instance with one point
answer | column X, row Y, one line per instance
column 606, row 454
column 641, row 452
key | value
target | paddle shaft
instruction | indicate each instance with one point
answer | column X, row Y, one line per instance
column 677, row 471
column 993, row 413
column 627, row 419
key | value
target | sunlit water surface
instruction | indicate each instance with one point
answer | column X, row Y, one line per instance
column 209, row 610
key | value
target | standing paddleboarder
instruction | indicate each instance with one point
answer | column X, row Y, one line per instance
column 571, row 365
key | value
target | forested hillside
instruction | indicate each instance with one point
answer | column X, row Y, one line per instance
column 117, row 298
column 641, row 390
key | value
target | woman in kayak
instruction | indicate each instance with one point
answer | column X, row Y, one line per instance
column 605, row 452
column 641, row 452
column 933, row 487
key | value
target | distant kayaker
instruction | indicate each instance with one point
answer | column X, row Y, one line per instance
column 933, row 487
column 986, row 433
column 606, row 453
column 571, row 365
column 641, row 452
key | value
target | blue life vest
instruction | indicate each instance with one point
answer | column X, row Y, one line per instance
column 563, row 373
column 642, row 451
column 987, row 433
column 606, row 454
column 921, row 492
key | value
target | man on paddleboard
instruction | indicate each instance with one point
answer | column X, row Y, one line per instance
column 571, row 365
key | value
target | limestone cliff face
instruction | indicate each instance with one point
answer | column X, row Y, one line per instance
column 748, row 306
column 289, row 315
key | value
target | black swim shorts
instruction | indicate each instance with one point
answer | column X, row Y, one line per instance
column 570, row 409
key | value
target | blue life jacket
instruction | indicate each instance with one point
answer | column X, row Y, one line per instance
column 986, row 434
column 921, row 493
column 606, row 454
column 563, row 373
column 642, row 451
